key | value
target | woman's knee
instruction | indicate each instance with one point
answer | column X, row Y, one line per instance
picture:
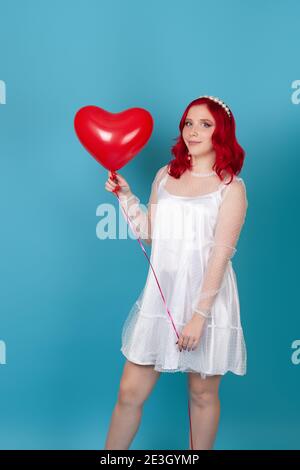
column 137, row 383
column 204, row 392
column 130, row 395
column 204, row 397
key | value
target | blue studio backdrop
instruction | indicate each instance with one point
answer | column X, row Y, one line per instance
column 66, row 291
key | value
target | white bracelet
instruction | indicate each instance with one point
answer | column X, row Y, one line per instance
column 125, row 198
column 203, row 313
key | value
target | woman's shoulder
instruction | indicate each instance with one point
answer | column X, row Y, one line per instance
column 233, row 180
column 161, row 172
column 236, row 188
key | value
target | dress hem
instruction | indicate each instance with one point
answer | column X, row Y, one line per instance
column 160, row 369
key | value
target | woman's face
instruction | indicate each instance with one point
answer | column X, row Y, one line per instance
column 199, row 127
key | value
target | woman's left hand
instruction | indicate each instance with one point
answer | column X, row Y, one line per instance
column 190, row 336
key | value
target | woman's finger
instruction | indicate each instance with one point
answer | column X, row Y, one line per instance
column 113, row 178
column 110, row 187
column 190, row 343
column 121, row 179
column 122, row 182
column 185, row 342
column 182, row 342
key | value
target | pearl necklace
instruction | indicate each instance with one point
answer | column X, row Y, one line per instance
column 203, row 174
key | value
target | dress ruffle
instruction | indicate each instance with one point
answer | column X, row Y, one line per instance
column 151, row 340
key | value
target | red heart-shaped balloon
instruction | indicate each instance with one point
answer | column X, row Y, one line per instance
column 113, row 139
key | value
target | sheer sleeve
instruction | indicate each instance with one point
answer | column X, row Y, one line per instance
column 230, row 220
column 142, row 217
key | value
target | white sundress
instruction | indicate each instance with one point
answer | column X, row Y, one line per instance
column 148, row 336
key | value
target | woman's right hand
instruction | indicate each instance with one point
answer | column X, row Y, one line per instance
column 121, row 185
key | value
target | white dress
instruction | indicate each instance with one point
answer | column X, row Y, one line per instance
column 181, row 262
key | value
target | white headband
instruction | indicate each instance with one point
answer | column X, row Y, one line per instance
column 217, row 100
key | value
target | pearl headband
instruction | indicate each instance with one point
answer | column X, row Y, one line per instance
column 217, row 100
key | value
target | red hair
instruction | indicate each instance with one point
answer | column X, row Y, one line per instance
column 229, row 154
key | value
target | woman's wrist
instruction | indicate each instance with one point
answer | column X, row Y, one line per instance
column 127, row 196
column 199, row 318
column 203, row 313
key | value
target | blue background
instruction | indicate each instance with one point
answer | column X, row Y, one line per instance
column 65, row 293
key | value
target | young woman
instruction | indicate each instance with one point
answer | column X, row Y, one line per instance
column 194, row 217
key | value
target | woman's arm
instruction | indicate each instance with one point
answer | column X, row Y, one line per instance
column 231, row 217
column 143, row 218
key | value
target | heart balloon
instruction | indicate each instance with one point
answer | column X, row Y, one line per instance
column 113, row 139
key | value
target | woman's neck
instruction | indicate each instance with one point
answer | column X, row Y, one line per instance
column 202, row 164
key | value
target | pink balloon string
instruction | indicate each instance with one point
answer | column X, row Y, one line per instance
column 114, row 174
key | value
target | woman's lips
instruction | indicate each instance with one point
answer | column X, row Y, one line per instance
column 194, row 143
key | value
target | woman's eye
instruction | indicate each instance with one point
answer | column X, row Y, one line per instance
column 204, row 123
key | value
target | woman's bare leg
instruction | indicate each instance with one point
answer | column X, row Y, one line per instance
column 136, row 385
column 205, row 409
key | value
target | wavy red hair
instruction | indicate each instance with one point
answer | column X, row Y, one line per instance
column 229, row 154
